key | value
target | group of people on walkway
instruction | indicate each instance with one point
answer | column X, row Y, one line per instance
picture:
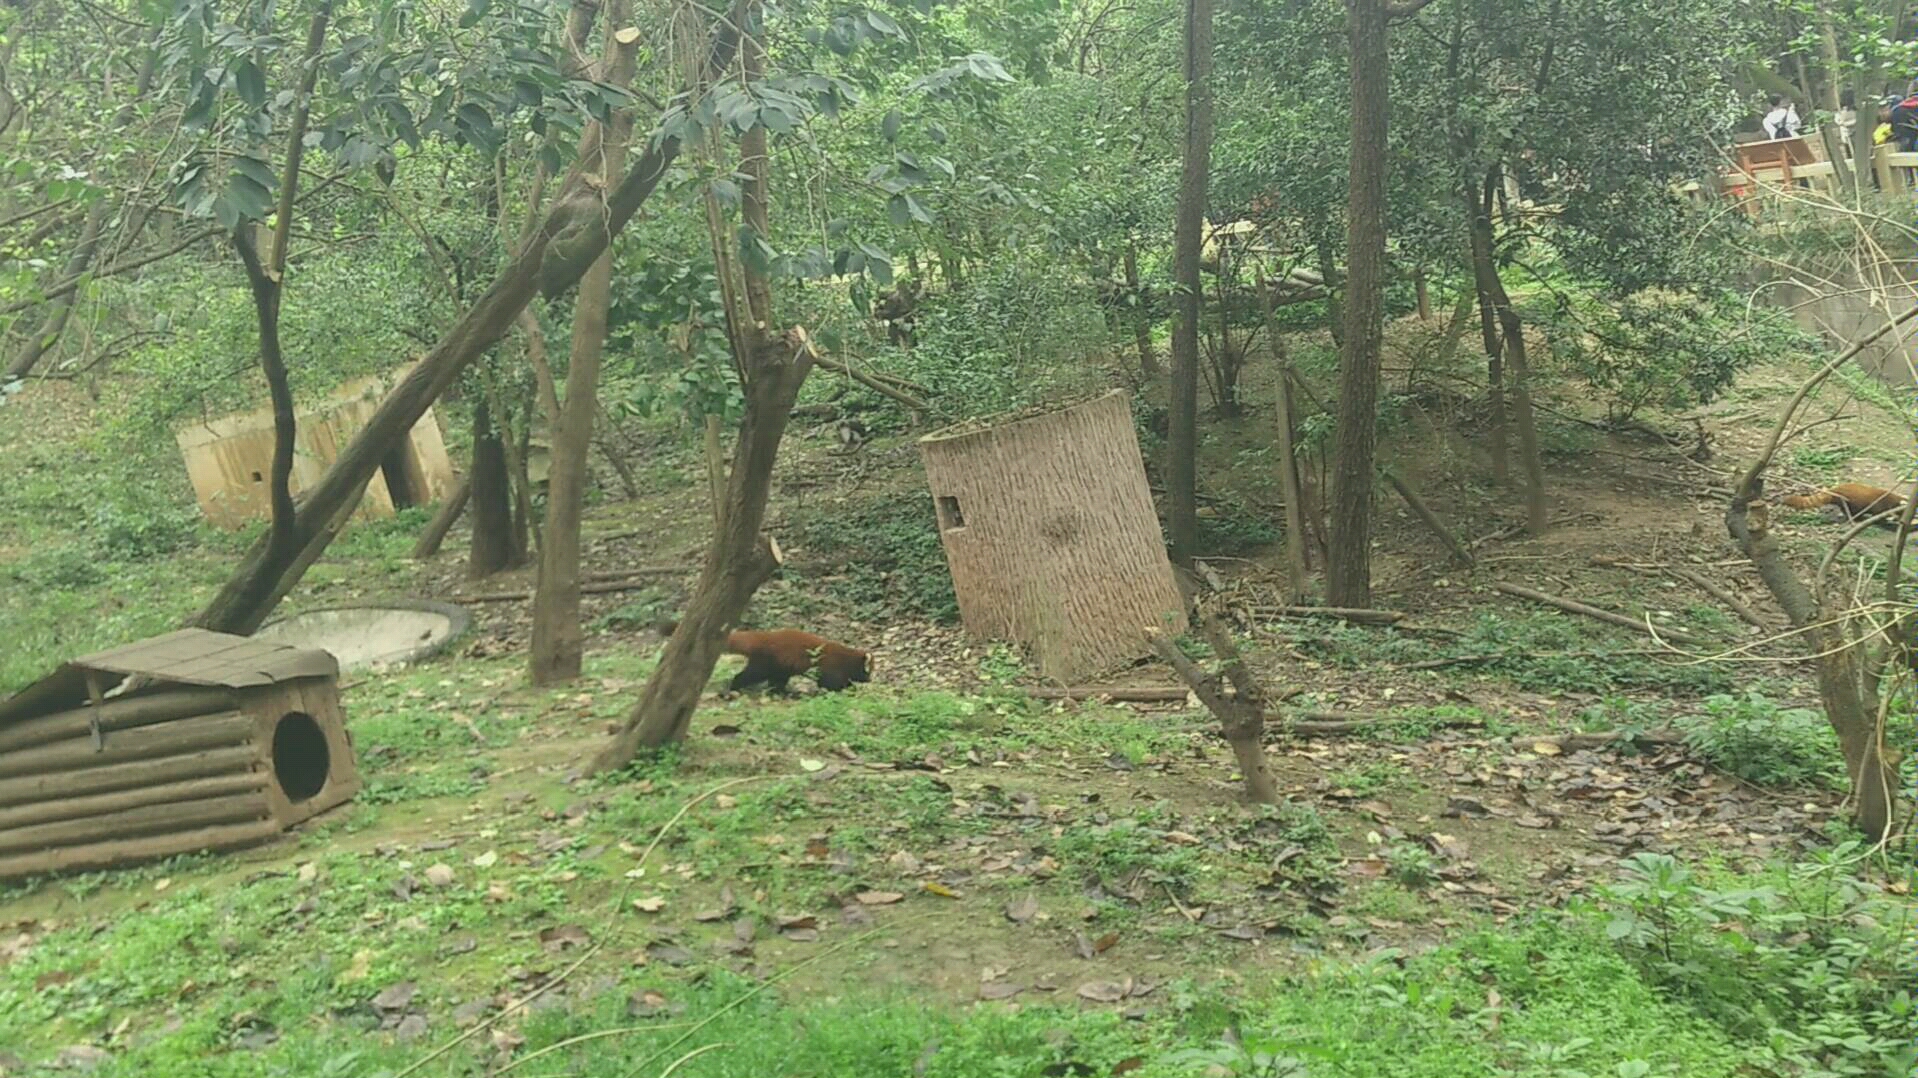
column 1897, row 120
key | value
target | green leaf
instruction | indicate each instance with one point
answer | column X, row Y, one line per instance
column 247, row 196
column 476, row 124
column 225, row 212
column 257, row 170
column 249, row 83
column 882, row 23
column 475, row 11
column 199, row 109
column 889, row 127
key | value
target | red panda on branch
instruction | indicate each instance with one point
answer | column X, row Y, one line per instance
column 777, row 656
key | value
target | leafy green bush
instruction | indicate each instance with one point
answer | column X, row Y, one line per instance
column 1805, row 963
column 886, row 555
column 1662, row 348
column 1752, row 737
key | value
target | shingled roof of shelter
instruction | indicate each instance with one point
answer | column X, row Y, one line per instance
column 187, row 657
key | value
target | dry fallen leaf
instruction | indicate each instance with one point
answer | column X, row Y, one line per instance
column 1022, row 909
column 878, row 898
column 1102, row 991
column 940, row 889
column 561, row 937
column 440, row 875
column 1546, row 748
column 650, row 904
column 994, row 990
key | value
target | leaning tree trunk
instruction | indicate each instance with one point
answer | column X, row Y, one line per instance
column 573, row 233
column 1289, row 485
column 60, row 308
column 1508, row 339
column 772, row 368
column 1845, row 686
column 738, row 562
column 558, row 642
column 1182, row 443
column 1348, row 573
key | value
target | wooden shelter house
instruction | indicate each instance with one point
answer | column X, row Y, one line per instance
column 229, row 459
column 186, row 742
column 1050, row 532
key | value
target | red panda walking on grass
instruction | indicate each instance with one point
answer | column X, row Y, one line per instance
column 777, row 656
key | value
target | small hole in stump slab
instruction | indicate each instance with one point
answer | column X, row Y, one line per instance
column 301, row 760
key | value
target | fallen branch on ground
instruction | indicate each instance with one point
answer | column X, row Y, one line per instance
column 1431, row 520
column 1352, row 614
column 1697, row 580
column 1573, row 606
column 631, row 580
column 1128, row 694
column 1574, row 742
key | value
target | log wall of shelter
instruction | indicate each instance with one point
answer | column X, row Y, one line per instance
column 1052, row 537
column 175, row 771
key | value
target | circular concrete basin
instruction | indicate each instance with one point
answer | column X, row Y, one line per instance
column 381, row 634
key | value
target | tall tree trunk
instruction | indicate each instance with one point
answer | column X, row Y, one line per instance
column 573, row 233
column 1511, row 335
column 1141, row 315
column 1484, row 273
column 1182, row 444
column 496, row 544
column 739, row 560
column 1348, row 574
column 1295, row 535
column 1829, row 133
column 558, row 641
column 266, row 280
column 772, row 368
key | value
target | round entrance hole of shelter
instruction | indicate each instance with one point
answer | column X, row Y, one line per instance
column 301, row 760
column 385, row 634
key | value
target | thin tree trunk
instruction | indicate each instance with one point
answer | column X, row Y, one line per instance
column 494, row 546
column 1348, row 575
column 574, row 232
column 1511, row 334
column 1334, row 288
column 1141, row 316
column 1295, row 536
column 1484, row 275
column 1188, row 237
column 558, row 643
column 1851, row 705
column 266, row 280
column 53, row 326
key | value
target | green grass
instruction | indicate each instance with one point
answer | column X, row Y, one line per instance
column 1549, row 996
column 1537, row 652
